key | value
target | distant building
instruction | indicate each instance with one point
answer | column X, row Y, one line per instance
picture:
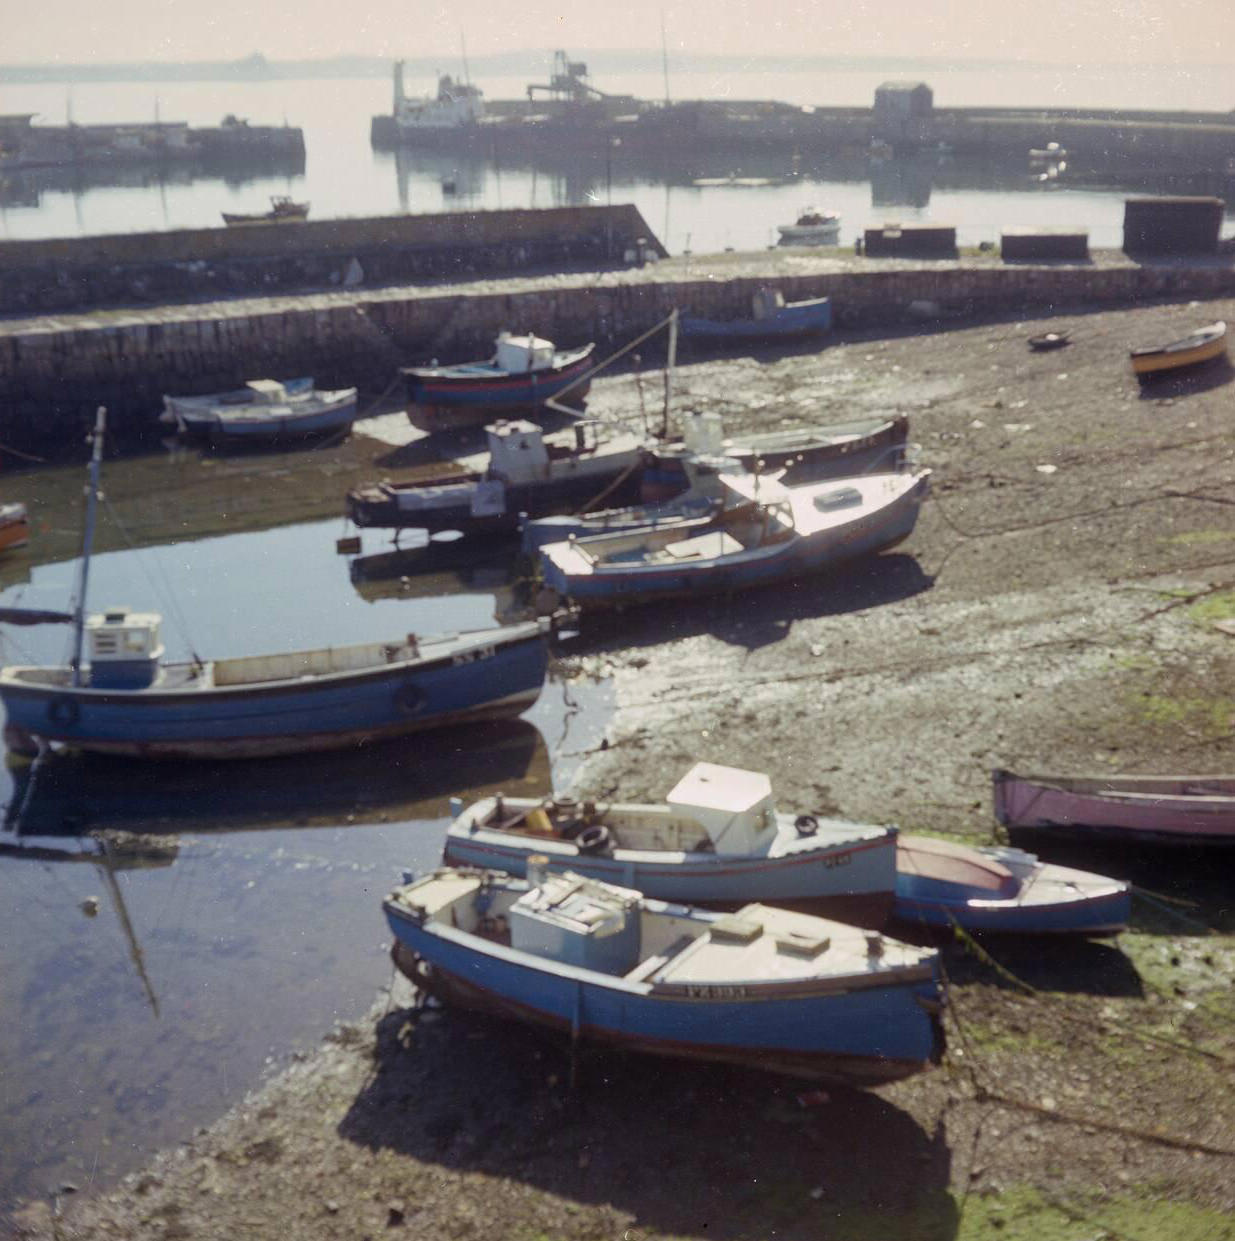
column 903, row 112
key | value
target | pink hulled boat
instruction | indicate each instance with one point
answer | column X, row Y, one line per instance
column 1182, row 809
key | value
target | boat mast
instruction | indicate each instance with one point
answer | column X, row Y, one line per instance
column 670, row 365
column 467, row 73
column 92, row 497
column 664, row 55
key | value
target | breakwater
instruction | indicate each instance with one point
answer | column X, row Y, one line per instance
column 73, row 273
column 1099, row 142
column 53, row 372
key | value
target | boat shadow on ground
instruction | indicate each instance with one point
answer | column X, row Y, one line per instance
column 1204, row 378
column 687, row 1149
column 764, row 616
column 70, row 794
column 1052, row 964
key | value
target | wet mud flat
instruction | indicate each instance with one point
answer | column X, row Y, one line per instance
column 1055, row 610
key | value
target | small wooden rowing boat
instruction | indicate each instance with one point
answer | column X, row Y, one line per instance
column 1004, row 890
column 715, row 839
column 1204, row 345
column 1049, row 341
column 765, row 987
column 1157, row 809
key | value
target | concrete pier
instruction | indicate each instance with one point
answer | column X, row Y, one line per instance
column 55, row 371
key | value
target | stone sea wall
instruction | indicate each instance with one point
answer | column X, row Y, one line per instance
column 53, row 372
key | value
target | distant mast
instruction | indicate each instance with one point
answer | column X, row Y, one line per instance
column 664, row 55
column 467, row 73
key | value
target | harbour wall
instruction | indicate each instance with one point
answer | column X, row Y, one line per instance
column 54, row 373
column 1098, row 142
column 73, row 273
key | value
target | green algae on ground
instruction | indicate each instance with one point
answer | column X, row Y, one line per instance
column 1215, row 607
column 1209, row 718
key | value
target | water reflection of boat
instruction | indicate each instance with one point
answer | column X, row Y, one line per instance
column 70, row 795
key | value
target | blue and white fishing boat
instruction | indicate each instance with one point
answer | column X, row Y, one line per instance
column 524, row 372
column 767, row 532
column 716, row 839
column 124, row 699
column 525, row 474
column 263, row 410
column 765, row 987
column 1003, row 890
column 773, row 319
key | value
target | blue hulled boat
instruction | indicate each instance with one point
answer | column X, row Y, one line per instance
column 1003, row 890
column 716, row 839
column 123, row 699
column 765, row 987
column 773, row 319
column 263, row 410
column 766, row 533
column 127, row 701
column 524, row 372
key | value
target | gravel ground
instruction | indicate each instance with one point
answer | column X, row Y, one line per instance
column 1054, row 610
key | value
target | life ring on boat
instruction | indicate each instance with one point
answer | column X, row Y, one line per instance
column 410, row 698
column 806, row 824
column 63, row 710
column 595, row 838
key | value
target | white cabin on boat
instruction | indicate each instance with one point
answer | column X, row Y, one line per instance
column 124, row 648
column 734, row 807
column 521, row 355
column 266, row 392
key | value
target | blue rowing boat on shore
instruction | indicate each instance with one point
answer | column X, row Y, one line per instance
column 767, row 988
column 773, row 319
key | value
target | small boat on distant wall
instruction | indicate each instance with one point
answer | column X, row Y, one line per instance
column 1156, row 809
column 766, row 532
column 14, row 526
column 765, row 987
column 526, row 475
column 264, row 409
column 282, row 211
column 1004, row 890
column 717, row 838
column 773, row 319
column 524, row 372
column 1204, row 345
column 812, row 228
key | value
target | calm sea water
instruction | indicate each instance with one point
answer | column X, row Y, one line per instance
column 344, row 177
column 128, row 990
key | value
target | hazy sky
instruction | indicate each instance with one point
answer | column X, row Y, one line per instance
column 1068, row 31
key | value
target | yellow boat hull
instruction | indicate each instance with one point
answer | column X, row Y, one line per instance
column 1182, row 353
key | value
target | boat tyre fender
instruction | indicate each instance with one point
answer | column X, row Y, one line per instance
column 63, row 710
column 594, row 839
column 806, row 824
column 409, row 698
